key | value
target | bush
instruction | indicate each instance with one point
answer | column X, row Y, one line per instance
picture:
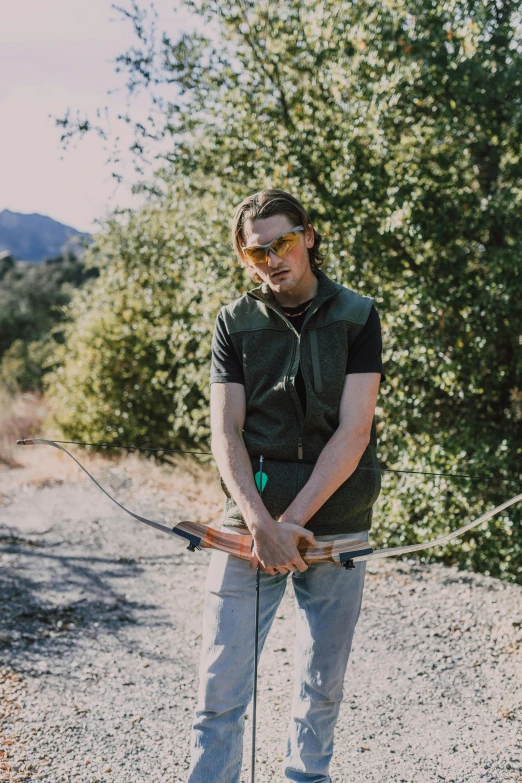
column 32, row 296
column 21, row 416
column 135, row 366
column 23, row 365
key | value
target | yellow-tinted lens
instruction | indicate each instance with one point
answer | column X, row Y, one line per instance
column 281, row 247
column 255, row 254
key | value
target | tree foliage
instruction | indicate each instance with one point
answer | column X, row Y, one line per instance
column 399, row 126
column 134, row 367
column 32, row 297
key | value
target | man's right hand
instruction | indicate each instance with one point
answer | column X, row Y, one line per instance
column 275, row 547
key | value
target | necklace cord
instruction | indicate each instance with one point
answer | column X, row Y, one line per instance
column 295, row 315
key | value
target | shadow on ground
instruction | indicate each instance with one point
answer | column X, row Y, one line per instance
column 40, row 617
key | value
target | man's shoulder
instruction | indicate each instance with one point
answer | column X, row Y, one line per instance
column 246, row 313
column 349, row 305
column 244, row 305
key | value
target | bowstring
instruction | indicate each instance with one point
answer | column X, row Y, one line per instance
column 374, row 470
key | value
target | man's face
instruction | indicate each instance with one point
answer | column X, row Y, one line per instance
column 281, row 274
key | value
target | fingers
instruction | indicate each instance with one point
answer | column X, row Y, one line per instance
column 284, row 544
column 292, row 567
column 302, row 532
column 309, row 536
column 269, row 570
column 255, row 562
column 296, row 565
column 273, row 570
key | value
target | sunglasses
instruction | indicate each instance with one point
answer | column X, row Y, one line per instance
column 281, row 245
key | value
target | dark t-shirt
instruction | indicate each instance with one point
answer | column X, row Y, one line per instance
column 365, row 353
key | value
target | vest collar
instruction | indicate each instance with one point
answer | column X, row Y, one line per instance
column 326, row 290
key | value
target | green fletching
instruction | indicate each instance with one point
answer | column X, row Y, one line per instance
column 260, row 479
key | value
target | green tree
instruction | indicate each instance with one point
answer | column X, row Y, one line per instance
column 32, row 295
column 24, row 364
column 399, row 125
column 135, row 364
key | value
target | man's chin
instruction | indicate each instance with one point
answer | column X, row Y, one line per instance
column 284, row 284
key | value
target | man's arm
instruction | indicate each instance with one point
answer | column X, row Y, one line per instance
column 227, row 416
column 342, row 453
column 275, row 543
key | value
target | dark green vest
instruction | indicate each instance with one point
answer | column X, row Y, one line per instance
column 275, row 424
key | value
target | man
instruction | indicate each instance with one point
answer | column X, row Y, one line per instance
column 296, row 367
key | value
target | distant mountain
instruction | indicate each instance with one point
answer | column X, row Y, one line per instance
column 36, row 237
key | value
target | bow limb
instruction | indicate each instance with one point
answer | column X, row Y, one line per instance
column 401, row 550
column 194, row 541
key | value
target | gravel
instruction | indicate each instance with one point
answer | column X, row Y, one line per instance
column 99, row 646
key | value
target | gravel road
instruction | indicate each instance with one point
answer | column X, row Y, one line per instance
column 99, row 646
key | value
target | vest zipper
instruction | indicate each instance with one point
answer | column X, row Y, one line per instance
column 297, row 404
column 310, row 313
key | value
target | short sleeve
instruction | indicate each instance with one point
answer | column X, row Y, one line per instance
column 365, row 352
column 226, row 366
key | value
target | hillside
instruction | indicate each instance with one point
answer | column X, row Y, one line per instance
column 36, row 237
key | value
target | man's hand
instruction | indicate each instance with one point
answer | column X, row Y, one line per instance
column 275, row 548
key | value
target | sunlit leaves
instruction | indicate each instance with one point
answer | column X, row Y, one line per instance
column 136, row 363
column 400, row 130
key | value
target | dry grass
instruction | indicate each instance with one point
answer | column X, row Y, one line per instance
column 185, row 485
column 21, row 416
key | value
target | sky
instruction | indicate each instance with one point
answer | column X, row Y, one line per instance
column 57, row 55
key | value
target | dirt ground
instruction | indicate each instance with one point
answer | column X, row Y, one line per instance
column 100, row 631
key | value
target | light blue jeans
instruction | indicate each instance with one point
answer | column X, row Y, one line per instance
column 328, row 600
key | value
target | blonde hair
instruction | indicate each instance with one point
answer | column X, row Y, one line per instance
column 265, row 204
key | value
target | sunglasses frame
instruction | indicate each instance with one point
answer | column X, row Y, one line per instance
column 268, row 246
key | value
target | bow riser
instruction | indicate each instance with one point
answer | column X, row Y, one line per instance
column 240, row 545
